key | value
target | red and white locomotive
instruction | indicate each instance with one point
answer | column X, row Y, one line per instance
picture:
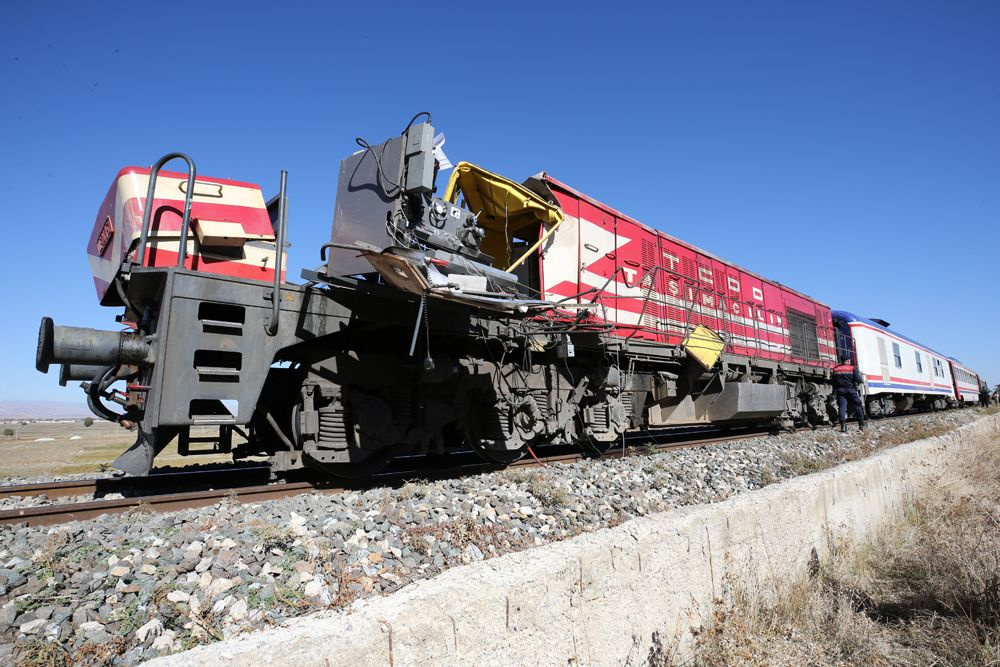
column 497, row 317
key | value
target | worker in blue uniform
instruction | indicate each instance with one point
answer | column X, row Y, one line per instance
column 846, row 378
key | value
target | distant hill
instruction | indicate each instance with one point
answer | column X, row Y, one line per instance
column 42, row 410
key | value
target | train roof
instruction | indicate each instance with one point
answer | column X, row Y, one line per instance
column 548, row 178
column 851, row 317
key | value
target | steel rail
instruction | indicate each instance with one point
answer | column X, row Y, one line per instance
column 106, row 485
column 57, row 513
column 79, row 487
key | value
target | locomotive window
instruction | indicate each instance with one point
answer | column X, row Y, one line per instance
column 920, row 366
column 802, row 335
column 897, row 357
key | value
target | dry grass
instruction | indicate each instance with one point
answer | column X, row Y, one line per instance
column 460, row 533
column 926, row 592
column 31, row 452
column 538, row 484
column 41, row 653
column 548, row 492
column 858, row 446
column 272, row 536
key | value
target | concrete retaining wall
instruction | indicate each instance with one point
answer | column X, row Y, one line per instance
column 598, row 599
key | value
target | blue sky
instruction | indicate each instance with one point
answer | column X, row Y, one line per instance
column 848, row 149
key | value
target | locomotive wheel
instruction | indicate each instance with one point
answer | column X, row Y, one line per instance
column 482, row 424
column 591, row 446
column 474, row 439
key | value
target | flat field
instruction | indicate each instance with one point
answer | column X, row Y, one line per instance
column 40, row 449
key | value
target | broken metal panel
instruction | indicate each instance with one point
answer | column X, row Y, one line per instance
column 505, row 209
column 366, row 203
column 704, row 346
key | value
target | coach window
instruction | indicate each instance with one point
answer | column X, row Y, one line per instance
column 920, row 366
column 896, row 355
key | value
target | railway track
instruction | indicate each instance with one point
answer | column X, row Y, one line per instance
column 233, row 483
column 158, row 492
column 108, row 485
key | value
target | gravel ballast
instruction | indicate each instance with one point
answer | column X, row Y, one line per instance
column 124, row 588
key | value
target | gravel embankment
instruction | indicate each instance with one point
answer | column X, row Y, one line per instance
column 128, row 588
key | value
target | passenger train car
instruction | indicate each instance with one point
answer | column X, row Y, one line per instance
column 967, row 382
column 901, row 374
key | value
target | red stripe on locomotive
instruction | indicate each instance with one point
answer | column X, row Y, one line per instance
column 689, row 288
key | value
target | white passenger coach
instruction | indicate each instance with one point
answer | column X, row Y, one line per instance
column 899, row 373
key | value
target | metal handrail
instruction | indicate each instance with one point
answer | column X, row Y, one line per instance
column 148, row 208
column 271, row 326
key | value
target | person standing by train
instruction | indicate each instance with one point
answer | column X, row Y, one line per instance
column 846, row 378
column 984, row 395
